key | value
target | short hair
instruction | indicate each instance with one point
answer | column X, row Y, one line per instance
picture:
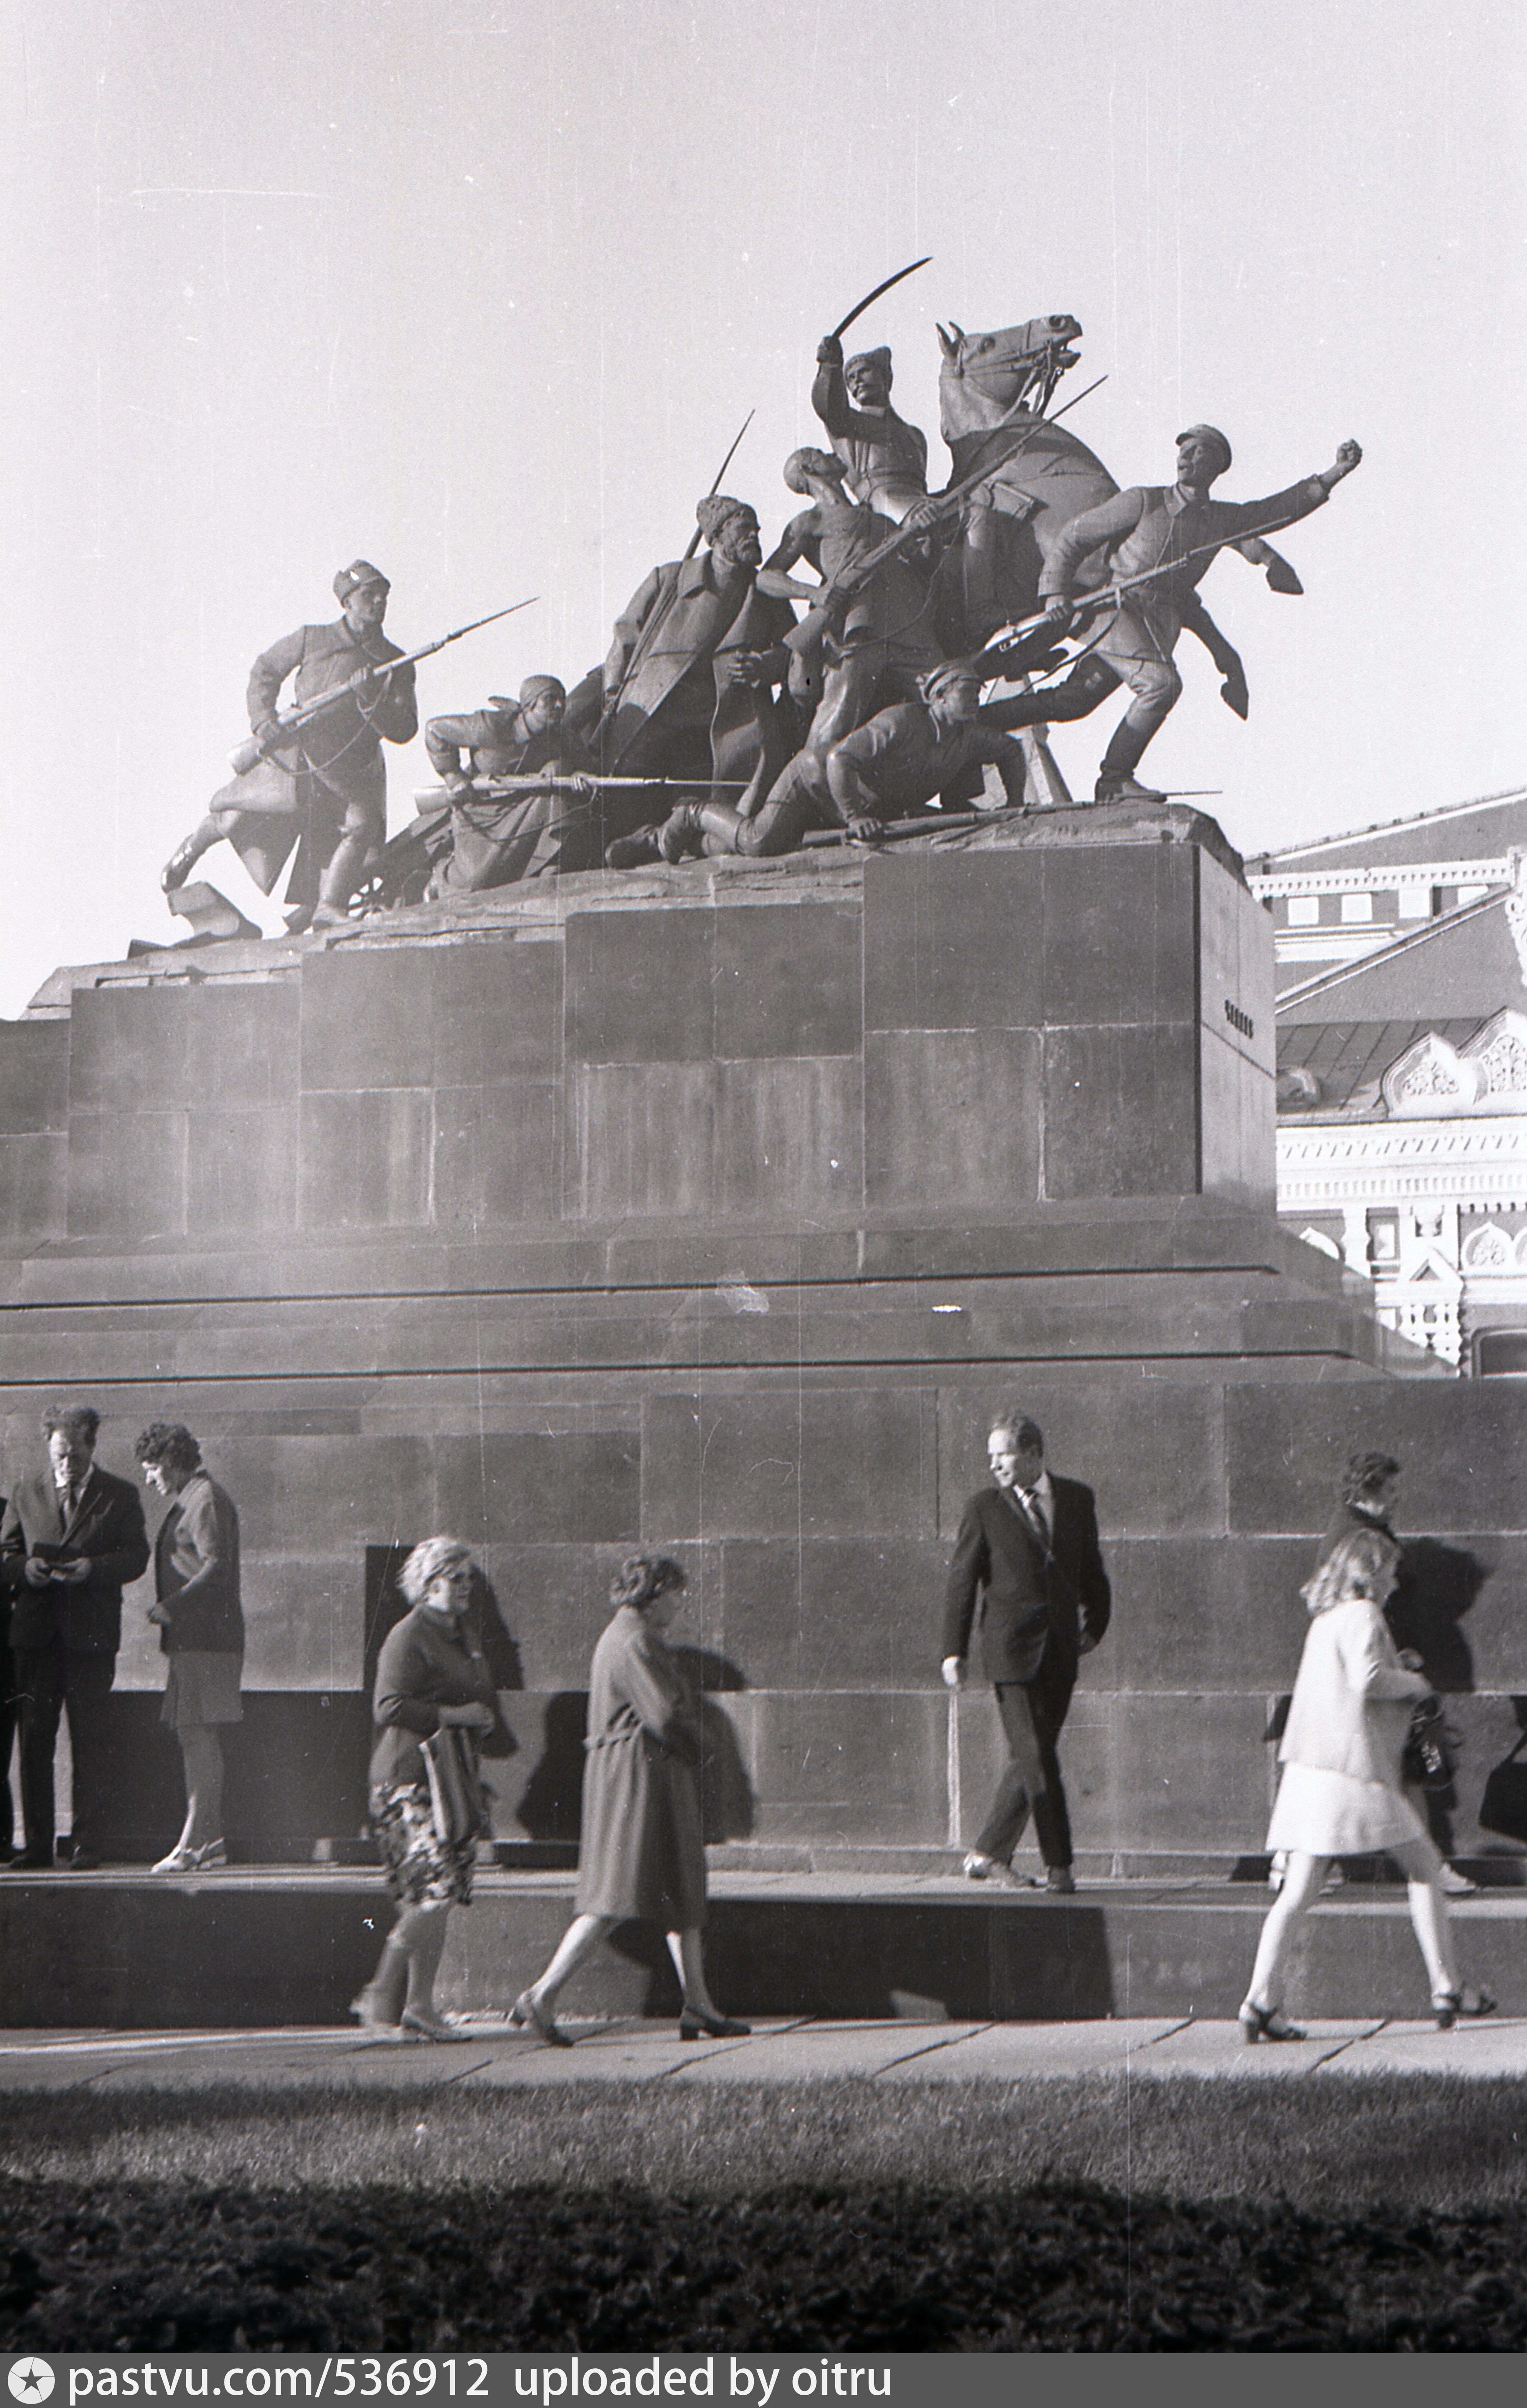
column 1365, row 1475
column 809, row 462
column 643, row 1579
column 169, row 1442
column 1360, row 1565
column 427, row 1561
column 75, row 1420
column 1026, row 1434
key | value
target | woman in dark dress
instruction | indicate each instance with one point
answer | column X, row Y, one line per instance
column 431, row 1677
column 641, row 1857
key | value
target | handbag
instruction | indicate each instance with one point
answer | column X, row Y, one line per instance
column 1430, row 1758
column 457, row 1808
column 1504, row 1806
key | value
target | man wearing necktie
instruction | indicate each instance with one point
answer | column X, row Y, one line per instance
column 1028, row 1567
column 71, row 1537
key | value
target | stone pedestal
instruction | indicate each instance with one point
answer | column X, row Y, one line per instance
column 716, row 1209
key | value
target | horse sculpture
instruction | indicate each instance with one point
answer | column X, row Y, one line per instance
column 992, row 392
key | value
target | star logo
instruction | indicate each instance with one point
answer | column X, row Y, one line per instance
column 30, row 2379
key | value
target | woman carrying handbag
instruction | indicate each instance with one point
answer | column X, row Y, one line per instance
column 1342, row 1791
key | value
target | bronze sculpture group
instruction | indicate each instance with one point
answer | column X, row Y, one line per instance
column 720, row 721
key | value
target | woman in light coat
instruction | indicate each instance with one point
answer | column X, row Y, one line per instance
column 641, row 1857
column 1342, row 1793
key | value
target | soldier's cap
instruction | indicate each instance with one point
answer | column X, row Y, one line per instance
column 879, row 359
column 717, row 510
column 809, row 462
column 1209, row 435
column 535, row 687
column 949, row 673
column 359, row 573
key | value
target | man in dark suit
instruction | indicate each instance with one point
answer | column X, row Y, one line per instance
column 71, row 1537
column 1028, row 1553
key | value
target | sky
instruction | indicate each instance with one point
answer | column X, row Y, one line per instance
column 482, row 290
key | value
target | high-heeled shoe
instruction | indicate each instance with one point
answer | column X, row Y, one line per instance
column 1448, row 2005
column 527, row 2010
column 692, row 2025
column 427, row 2023
column 1260, row 2023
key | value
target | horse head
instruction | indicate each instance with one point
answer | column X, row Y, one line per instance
column 987, row 376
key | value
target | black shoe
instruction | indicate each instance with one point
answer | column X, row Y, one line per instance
column 692, row 2025
column 31, row 1860
column 634, row 852
column 79, row 1860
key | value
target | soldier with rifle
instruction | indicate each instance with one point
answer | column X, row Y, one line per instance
column 869, row 631
column 498, row 837
column 897, row 764
column 321, row 784
column 1158, row 541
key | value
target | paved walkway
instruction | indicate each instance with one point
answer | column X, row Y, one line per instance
column 489, row 2053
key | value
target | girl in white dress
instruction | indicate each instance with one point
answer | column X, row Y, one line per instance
column 1341, row 1793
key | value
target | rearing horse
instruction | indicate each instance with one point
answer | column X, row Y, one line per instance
column 992, row 392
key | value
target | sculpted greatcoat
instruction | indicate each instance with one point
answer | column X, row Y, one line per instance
column 309, row 783
column 683, row 680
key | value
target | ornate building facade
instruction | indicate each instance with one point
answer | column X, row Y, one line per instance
column 1402, row 1134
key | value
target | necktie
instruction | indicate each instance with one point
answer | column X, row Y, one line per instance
column 1036, row 1512
column 65, row 1503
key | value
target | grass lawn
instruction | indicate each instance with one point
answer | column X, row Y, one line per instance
column 1387, row 2213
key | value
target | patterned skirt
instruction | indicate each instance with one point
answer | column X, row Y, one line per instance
column 418, row 1863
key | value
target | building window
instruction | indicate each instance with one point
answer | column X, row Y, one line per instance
column 1501, row 1353
column 1383, row 1237
column 1355, row 907
column 1415, row 902
column 1304, row 910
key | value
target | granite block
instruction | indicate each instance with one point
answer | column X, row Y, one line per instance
column 851, row 1759
column 1237, row 1121
column 1120, row 935
column 34, row 1076
column 788, row 1137
column 640, row 986
column 127, row 1174
column 497, row 1013
column 242, row 1045
column 128, row 1048
column 1120, row 1112
column 367, row 1019
column 1236, row 966
column 1462, row 1445
column 303, row 1620
column 1152, row 1450
column 241, row 1170
column 33, row 1190
column 953, row 941
column 364, row 1159
column 339, row 1495
column 818, row 1464
column 833, row 1613
column 952, row 1120
column 497, row 1154
column 1187, row 1772
column 1204, row 1613
column 786, row 983
column 577, row 1489
column 642, row 1140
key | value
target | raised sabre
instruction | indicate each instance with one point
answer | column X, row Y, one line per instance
column 860, row 306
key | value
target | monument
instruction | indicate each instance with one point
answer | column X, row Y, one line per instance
column 713, row 1205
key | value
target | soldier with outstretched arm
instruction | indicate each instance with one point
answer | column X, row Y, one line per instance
column 1162, row 538
column 885, row 461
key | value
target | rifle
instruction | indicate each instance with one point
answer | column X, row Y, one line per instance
column 258, row 747
column 485, row 790
column 829, row 604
